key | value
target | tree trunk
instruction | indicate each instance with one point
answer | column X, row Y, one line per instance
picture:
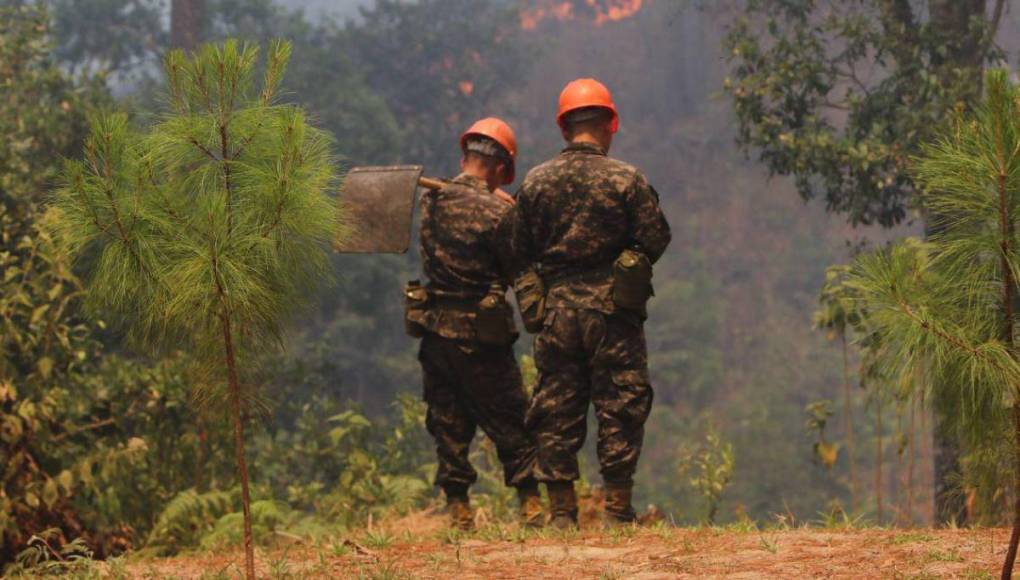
column 1014, row 538
column 878, row 452
column 202, row 453
column 848, row 419
column 950, row 506
column 187, row 18
column 912, row 428
column 927, row 467
column 1008, row 320
column 897, row 475
column 965, row 51
column 242, row 464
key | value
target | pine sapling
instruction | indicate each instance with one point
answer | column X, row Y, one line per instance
column 945, row 309
column 205, row 231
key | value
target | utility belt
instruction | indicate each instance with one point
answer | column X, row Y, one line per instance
column 597, row 274
column 455, row 303
column 492, row 316
column 631, row 275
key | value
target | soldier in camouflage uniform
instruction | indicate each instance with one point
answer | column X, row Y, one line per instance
column 468, row 383
column 574, row 217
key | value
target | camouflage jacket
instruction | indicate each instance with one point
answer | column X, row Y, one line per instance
column 575, row 214
column 465, row 248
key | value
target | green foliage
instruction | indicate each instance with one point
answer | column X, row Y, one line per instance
column 945, row 309
column 836, row 518
column 341, row 464
column 268, row 517
column 328, row 80
column 42, row 114
column 187, row 517
column 218, row 216
column 720, row 333
column 208, row 230
column 708, row 470
column 45, row 557
column 844, row 122
column 385, row 467
column 686, row 341
column 837, row 312
column 43, row 347
column 439, row 64
column 338, row 471
column 818, row 413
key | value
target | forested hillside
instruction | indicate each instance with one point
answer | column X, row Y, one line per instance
column 731, row 333
column 110, row 445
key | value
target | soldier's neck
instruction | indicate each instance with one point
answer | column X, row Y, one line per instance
column 479, row 172
column 590, row 139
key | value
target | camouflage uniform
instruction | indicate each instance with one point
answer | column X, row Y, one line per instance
column 468, row 384
column 575, row 214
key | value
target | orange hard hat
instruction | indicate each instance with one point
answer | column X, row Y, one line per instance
column 584, row 93
column 498, row 131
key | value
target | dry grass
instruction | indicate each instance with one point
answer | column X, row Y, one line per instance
column 419, row 547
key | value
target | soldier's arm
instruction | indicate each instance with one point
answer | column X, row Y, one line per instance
column 649, row 227
column 521, row 243
column 502, row 246
column 425, row 232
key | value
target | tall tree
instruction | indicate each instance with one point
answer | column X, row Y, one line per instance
column 209, row 227
column 841, row 95
column 948, row 307
column 837, row 315
column 440, row 64
column 115, row 36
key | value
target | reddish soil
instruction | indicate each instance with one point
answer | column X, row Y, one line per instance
column 418, row 547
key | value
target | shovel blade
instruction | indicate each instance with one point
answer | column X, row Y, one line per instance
column 377, row 205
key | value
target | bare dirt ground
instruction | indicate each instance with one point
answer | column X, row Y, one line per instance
column 419, row 547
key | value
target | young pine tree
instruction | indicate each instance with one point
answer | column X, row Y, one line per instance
column 205, row 231
column 948, row 308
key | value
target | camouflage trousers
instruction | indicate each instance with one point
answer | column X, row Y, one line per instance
column 468, row 385
column 586, row 356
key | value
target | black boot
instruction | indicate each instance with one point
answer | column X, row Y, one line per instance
column 618, row 504
column 532, row 513
column 562, row 504
column 458, row 507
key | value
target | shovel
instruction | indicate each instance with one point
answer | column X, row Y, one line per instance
column 378, row 206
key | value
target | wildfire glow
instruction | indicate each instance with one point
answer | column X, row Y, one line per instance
column 564, row 10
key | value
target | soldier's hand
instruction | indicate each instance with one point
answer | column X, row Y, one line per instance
column 504, row 196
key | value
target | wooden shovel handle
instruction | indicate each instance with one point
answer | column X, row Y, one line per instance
column 431, row 183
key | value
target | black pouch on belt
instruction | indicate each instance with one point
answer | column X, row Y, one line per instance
column 416, row 306
column 494, row 319
column 530, row 291
column 632, row 281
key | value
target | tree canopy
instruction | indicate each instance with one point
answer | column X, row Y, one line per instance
column 840, row 95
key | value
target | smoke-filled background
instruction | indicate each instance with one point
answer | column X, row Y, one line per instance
column 733, row 349
column 732, row 344
column 735, row 358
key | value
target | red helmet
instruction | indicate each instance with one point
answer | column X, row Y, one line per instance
column 584, row 93
column 498, row 131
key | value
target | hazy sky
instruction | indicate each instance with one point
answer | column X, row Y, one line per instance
column 337, row 7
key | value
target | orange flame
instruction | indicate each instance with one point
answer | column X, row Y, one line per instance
column 601, row 11
column 466, row 88
column 615, row 10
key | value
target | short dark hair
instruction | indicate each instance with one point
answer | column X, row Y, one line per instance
column 587, row 116
column 485, row 146
column 489, row 161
